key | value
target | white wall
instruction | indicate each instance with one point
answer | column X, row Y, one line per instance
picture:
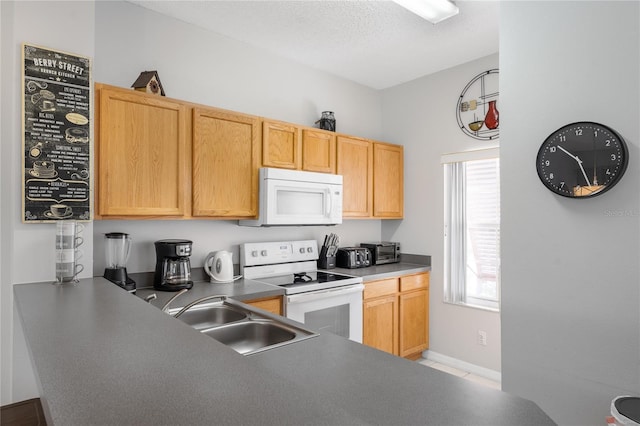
column 27, row 250
column 421, row 115
column 5, row 332
column 199, row 66
column 570, row 268
column 194, row 65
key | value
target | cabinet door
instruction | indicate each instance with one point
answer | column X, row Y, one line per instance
column 355, row 164
column 380, row 323
column 318, row 151
column 414, row 323
column 280, row 145
column 141, row 150
column 226, row 157
column 388, row 181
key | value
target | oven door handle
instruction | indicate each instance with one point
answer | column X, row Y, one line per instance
column 314, row 295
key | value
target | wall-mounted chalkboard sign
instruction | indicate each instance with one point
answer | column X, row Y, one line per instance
column 57, row 136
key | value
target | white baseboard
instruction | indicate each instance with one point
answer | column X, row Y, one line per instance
column 463, row 365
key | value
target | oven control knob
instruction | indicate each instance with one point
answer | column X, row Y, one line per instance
column 301, row 249
column 263, row 253
column 254, row 253
column 309, row 249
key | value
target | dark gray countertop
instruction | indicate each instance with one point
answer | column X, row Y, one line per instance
column 103, row 356
column 378, row 272
column 248, row 289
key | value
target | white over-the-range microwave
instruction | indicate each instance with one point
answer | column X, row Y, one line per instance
column 293, row 197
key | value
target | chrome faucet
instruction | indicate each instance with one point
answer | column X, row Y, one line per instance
column 165, row 308
column 195, row 302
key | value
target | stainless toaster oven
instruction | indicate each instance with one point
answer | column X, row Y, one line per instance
column 383, row 252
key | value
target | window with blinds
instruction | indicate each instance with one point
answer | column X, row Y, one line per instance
column 472, row 230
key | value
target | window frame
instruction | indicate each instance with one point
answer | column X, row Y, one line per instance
column 455, row 284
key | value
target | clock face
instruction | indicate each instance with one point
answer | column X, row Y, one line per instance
column 582, row 160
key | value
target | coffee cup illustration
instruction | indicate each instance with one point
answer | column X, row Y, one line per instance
column 47, row 106
column 59, row 211
column 76, row 135
column 43, row 169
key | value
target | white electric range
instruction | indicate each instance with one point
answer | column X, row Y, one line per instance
column 322, row 300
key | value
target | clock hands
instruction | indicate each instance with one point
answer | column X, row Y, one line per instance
column 595, row 157
column 575, row 157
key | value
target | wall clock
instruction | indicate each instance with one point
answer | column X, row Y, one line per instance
column 477, row 109
column 582, row 160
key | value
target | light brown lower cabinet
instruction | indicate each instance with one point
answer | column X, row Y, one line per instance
column 269, row 304
column 396, row 315
column 380, row 326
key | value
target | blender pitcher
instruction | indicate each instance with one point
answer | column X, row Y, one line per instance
column 117, row 252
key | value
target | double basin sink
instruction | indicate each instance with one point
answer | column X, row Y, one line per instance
column 240, row 326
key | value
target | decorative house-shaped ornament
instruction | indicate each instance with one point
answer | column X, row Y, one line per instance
column 149, row 82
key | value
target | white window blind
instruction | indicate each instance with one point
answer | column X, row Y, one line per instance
column 472, row 231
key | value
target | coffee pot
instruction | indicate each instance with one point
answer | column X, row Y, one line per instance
column 173, row 268
column 219, row 266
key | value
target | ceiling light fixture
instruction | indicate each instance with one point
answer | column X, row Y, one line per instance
column 433, row 11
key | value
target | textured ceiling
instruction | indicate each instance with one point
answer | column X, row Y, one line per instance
column 375, row 43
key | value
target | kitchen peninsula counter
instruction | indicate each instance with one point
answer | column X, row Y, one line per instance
column 105, row 357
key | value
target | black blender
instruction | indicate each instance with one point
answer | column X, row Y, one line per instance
column 173, row 268
column 117, row 251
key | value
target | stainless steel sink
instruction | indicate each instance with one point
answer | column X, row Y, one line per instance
column 245, row 329
column 210, row 315
column 251, row 336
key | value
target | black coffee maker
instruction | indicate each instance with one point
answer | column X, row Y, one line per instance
column 173, row 268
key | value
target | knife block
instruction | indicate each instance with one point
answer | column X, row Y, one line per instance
column 327, row 262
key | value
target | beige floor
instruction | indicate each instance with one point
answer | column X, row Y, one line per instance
column 461, row 373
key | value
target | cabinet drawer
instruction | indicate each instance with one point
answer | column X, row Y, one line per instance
column 414, row 282
column 380, row 288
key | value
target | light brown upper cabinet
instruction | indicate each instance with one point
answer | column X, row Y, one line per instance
column 287, row 146
column 388, row 180
column 159, row 157
column 226, row 160
column 141, row 149
column 355, row 164
column 318, row 151
column 280, row 145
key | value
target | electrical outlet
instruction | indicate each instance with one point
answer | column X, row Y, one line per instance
column 482, row 337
